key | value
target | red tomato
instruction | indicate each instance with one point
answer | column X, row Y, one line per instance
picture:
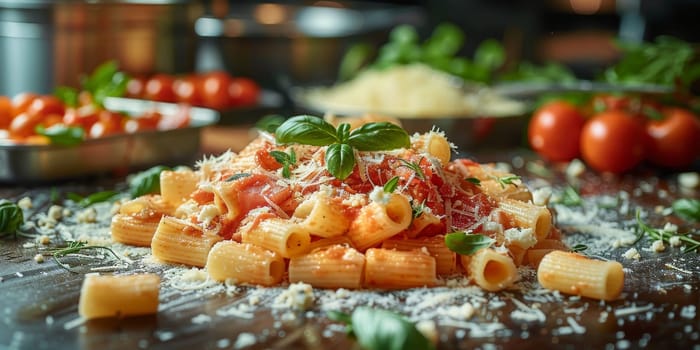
column 554, row 131
column 136, row 87
column 613, row 141
column 675, row 140
column 243, row 92
column 46, row 105
column 83, row 116
column 187, row 90
column 160, row 88
column 5, row 112
column 147, row 121
column 21, row 102
column 23, row 125
column 109, row 123
column 214, row 90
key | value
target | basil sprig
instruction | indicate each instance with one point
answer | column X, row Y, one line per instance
column 147, row 181
column 341, row 142
column 382, row 330
column 467, row 244
column 287, row 160
column 688, row 209
column 97, row 197
column 63, row 135
column 11, row 218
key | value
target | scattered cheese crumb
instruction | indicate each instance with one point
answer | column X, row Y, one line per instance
column 670, row 228
column 298, row 296
column 428, row 329
column 541, row 196
column 88, row 215
column 675, row 241
column 55, row 212
column 632, row 253
column 523, row 238
column 689, row 180
column 575, row 169
column 244, row 340
column 658, row 246
column 25, row 203
column 39, row 258
column 44, row 239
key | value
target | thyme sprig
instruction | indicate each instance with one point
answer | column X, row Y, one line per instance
column 75, row 247
column 664, row 236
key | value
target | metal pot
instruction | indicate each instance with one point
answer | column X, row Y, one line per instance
column 49, row 43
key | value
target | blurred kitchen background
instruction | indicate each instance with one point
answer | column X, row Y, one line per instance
column 48, row 43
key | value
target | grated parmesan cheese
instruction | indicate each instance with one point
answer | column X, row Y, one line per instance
column 25, row 203
column 521, row 237
column 631, row 253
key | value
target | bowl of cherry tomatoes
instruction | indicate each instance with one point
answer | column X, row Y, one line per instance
column 237, row 98
column 616, row 133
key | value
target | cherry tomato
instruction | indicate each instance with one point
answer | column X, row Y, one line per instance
column 147, row 121
column 187, row 90
column 109, row 123
column 613, row 141
column 84, row 116
column 243, row 92
column 5, row 112
column 46, row 105
column 136, row 86
column 23, row 125
column 160, row 88
column 555, row 130
column 214, row 90
column 21, row 102
column 675, row 140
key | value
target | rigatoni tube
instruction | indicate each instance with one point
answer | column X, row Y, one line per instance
column 119, row 295
column 574, row 273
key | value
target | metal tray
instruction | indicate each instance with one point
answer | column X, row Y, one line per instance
column 112, row 154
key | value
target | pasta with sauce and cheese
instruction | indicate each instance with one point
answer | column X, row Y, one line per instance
column 299, row 222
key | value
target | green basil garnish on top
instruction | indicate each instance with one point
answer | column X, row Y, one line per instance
column 463, row 243
column 341, row 142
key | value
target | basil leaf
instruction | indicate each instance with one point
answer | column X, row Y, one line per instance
column 97, row 197
column 270, row 123
column 390, row 186
column 339, row 316
column 280, row 157
column 11, row 218
column 147, row 181
column 306, row 129
column 379, row 137
column 68, row 95
column 474, row 180
column 340, row 160
column 490, row 54
column 63, row 135
column 688, row 209
column 385, row 330
column 467, row 244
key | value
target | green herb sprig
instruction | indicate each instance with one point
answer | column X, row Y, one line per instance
column 507, row 180
column 147, row 181
column 377, row 329
column 415, row 167
column 467, row 244
column 474, row 180
column 686, row 208
column 11, row 218
column 390, row 186
column 74, row 247
column 97, row 197
column 341, row 142
column 286, row 159
column 664, row 236
column 105, row 81
column 570, row 197
column 235, row 177
column 63, row 135
column 417, row 209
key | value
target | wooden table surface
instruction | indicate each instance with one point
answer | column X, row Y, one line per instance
column 38, row 302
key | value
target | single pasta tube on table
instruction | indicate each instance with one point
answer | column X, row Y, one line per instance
column 574, row 273
column 119, row 295
column 245, row 263
column 334, row 266
column 490, row 270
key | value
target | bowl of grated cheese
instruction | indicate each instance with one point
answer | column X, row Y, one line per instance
column 422, row 98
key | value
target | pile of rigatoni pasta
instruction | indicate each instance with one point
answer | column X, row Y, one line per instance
column 249, row 219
